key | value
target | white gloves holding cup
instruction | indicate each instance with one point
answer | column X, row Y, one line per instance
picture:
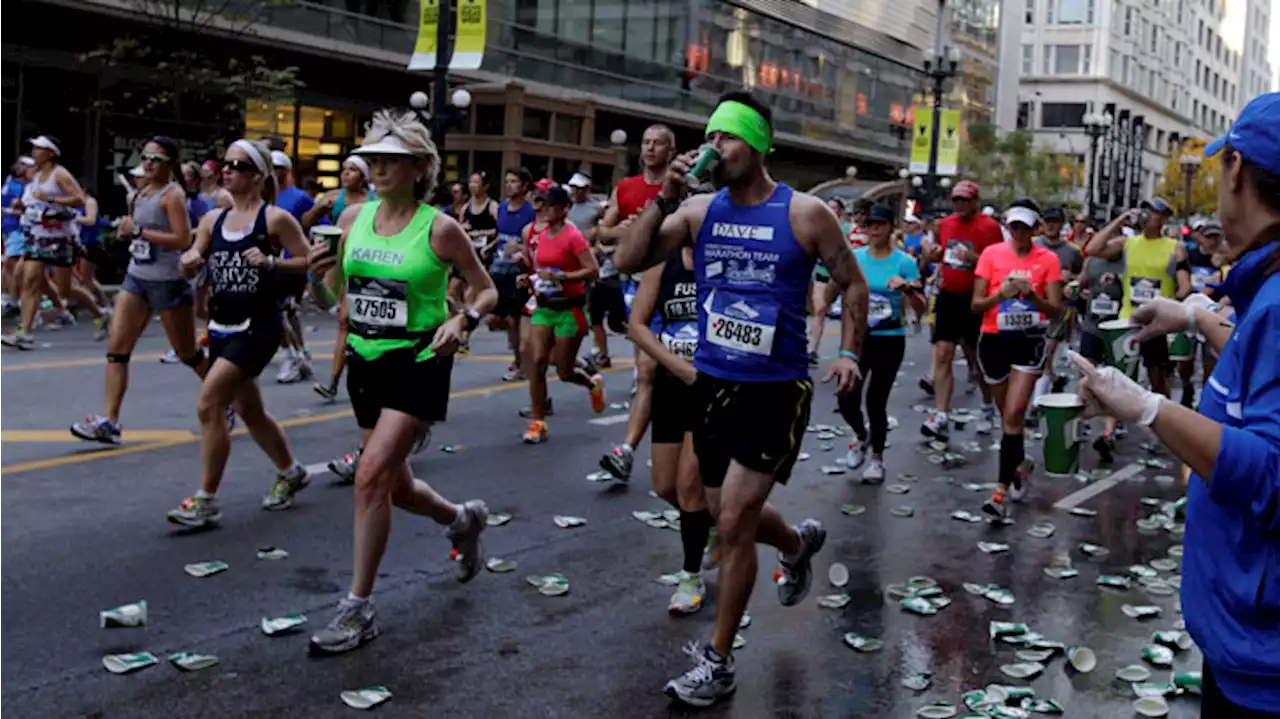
column 1162, row 316
column 1107, row 391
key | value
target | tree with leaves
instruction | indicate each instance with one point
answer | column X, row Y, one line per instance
column 1204, row 194
column 1009, row 165
column 176, row 73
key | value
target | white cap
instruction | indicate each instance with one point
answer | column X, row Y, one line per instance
column 911, row 218
column 989, row 211
column 579, row 180
column 389, row 145
column 27, row 161
column 279, row 159
column 43, row 141
column 137, row 171
column 1023, row 215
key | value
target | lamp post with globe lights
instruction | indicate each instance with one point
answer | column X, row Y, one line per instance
column 1190, row 166
column 939, row 66
column 1095, row 126
column 444, row 115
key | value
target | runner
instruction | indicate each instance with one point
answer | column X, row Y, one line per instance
column 14, row 242
column 962, row 238
column 605, row 302
column 1017, row 288
column 296, row 365
column 753, row 381
column 90, row 251
column 562, row 264
column 1155, row 266
column 396, row 255
column 244, row 326
column 480, row 220
column 633, row 194
column 48, row 203
column 665, row 326
column 458, row 200
column 892, row 277
column 1205, row 275
column 1102, row 291
column 158, row 231
column 1071, row 262
column 514, row 214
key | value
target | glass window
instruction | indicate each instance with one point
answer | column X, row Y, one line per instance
column 569, row 129
column 1087, row 61
column 1066, row 59
column 1030, row 13
column 1062, row 114
column 1114, row 67
column 1048, row 59
column 490, row 119
column 1155, row 37
column 641, row 27
column 1074, row 12
column 1049, row 14
column 537, row 125
column 538, row 165
column 608, row 26
column 1128, row 21
column 574, row 20
column 539, row 14
column 1028, row 59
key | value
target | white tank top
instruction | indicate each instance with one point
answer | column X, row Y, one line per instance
column 33, row 214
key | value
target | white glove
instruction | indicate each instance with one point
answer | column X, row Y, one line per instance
column 1107, row 391
column 1163, row 316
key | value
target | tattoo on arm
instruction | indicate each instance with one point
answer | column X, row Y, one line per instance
column 848, row 277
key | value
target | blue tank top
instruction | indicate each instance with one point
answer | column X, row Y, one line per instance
column 12, row 191
column 509, row 225
column 753, row 280
column 243, row 297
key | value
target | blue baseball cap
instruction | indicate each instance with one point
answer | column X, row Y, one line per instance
column 1255, row 134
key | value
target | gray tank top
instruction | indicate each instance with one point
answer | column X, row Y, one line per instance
column 1105, row 280
column 153, row 262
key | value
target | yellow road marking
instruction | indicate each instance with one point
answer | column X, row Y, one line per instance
column 62, row 435
column 93, row 361
column 619, row 364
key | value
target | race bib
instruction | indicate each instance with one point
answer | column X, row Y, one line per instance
column 1104, row 307
column 32, row 215
column 547, row 288
column 479, row 241
column 1202, row 276
column 376, row 306
column 1017, row 316
column 739, row 327
column 682, row 341
column 532, row 304
column 955, row 256
column 141, row 250
column 1142, row 290
column 607, row 268
column 879, row 309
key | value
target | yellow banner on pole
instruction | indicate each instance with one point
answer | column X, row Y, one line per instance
column 424, row 50
column 921, row 138
column 949, row 143
column 468, row 49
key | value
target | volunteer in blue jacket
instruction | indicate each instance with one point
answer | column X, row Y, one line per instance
column 1231, row 565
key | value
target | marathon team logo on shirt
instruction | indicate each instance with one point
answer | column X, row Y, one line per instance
column 879, row 309
column 956, row 255
column 377, row 306
column 733, row 324
column 741, row 266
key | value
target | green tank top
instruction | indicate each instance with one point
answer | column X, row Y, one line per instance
column 1148, row 270
column 396, row 286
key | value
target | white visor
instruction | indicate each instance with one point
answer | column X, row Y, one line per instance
column 389, row 145
column 1023, row 215
column 44, row 142
column 579, row 180
column 27, row 161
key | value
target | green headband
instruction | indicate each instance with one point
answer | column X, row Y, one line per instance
column 743, row 122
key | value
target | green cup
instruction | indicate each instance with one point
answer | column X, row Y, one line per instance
column 700, row 173
column 1187, row 681
column 1118, row 346
column 1181, row 346
column 1061, row 412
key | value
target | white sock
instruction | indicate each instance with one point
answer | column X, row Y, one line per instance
column 351, row 597
column 626, row 448
column 201, row 494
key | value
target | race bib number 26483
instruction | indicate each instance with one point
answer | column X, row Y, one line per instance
column 740, row 335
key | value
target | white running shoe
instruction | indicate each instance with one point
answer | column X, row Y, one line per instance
column 874, row 473
column 856, row 456
column 935, row 425
column 689, row 593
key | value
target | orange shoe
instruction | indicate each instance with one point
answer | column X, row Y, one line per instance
column 996, row 506
column 597, row 393
column 537, row 433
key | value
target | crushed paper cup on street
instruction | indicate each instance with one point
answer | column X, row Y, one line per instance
column 940, row 601
column 852, row 510
column 918, row 682
column 1142, row 570
column 1000, row 521
column 1113, row 581
column 1140, row 611
column 272, row 626
column 645, row 515
column 862, row 644
column 905, row 510
column 497, row 519
column 999, row 595
column 658, row 523
column 1082, row 659
column 551, row 585
column 1042, row 706
column 965, row 515
column 832, row 469
column 920, row 581
column 1022, row 670
column 936, row 459
column 1153, row 463
column 366, row 698
column 1033, row 655
column 125, row 663
column 566, row 522
column 1161, row 588
column 802, row 456
column 1187, row 681
column 192, row 662
column 992, row 547
column 1164, row 480
column 975, row 588
column 451, row 448
column 1157, row 654
column 996, row 629
column 1061, row 572
column 128, row 615
column 205, row 569
column 1093, row 550
column 270, row 553
column 1151, row 706
column 976, row 487
column 834, row 601
column 1165, row 564
column 1133, row 673
column 739, row 641
column 918, row 605
column 826, row 446
column 824, row 436
column 745, row 621
column 1153, row 689
column 897, row 489
column 498, row 565
column 1174, row 638
column 905, row 477
column 1084, row 512
column 838, row 574
column 937, row 710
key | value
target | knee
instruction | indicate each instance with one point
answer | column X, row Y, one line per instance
column 372, row 474
column 644, row 374
column 210, row 411
column 734, row 528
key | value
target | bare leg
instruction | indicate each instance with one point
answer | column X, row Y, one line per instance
column 68, row 290
column 541, row 340
column 339, row 356
column 564, row 355
column 32, row 273
column 944, row 354
column 126, row 328
column 216, row 394
column 638, row 419
column 264, row 429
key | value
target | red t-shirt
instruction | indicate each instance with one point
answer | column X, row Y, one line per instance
column 977, row 234
column 1039, row 267
column 634, row 194
column 560, row 252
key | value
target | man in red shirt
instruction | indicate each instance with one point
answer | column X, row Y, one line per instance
column 657, row 149
column 962, row 236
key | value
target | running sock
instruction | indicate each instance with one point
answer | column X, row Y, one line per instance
column 351, row 597
column 460, row 522
column 201, row 494
column 1012, row 453
column 294, row 471
column 695, row 527
column 626, row 448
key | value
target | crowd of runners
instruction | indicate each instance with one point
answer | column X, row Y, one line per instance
column 722, row 278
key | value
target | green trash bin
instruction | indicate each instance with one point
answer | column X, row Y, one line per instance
column 1061, row 412
column 1118, row 346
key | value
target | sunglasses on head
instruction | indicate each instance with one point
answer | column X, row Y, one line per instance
column 240, row 166
column 154, row 157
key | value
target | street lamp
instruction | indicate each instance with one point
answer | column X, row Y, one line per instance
column 939, row 66
column 904, row 173
column 917, row 181
column 1190, row 166
column 851, row 171
column 1095, row 126
column 444, row 116
column 618, row 137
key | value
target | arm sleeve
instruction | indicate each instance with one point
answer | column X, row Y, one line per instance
column 1246, row 473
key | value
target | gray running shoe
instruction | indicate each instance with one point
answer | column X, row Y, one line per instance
column 345, row 466
column 288, row 483
column 97, row 429
column 19, row 340
column 468, row 551
column 352, row 626
column 196, row 512
column 618, row 463
column 706, row 683
column 797, row 571
column 330, row 393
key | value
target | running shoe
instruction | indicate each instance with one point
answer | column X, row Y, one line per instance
column 987, row 424
column 1105, row 446
column 101, row 326
column 1121, row 430
column 813, row 359
column 288, row 483
column 97, row 429
column 797, row 571
column 513, row 374
column 1018, row 490
column 303, row 361
column 935, row 425
column 598, row 402
column 196, row 512
column 926, row 384
column 329, row 392
column 351, row 627
column 856, row 456
column 19, row 340
column 711, row 555
column 66, row 319
column 537, row 432
column 618, row 463
column 687, row 598
column 604, row 362
column 874, row 473
column 710, row 679
column 170, row 357
column 527, row 412
column 290, row 370
column 996, row 505
column 588, row 364
column 468, row 550
column 345, row 467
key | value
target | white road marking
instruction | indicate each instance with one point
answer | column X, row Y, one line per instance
column 1089, row 492
column 611, row 419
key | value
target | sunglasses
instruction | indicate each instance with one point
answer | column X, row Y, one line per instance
column 153, row 157
column 243, row 166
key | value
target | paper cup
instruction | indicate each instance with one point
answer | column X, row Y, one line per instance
column 1061, row 412
column 1119, row 349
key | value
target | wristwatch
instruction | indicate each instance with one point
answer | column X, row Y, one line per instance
column 473, row 319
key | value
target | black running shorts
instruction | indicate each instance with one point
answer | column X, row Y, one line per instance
column 249, row 350
column 954, row 320
column 1000, row 354
column 395, row 381
column 760, row 425
column 674, row 410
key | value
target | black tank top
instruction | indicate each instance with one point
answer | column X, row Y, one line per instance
column 242, row 297
column 480, row 222
column 678, row 294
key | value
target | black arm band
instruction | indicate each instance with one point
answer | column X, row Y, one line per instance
column 1183, row 265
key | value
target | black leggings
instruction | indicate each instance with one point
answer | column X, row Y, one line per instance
column 881, row 357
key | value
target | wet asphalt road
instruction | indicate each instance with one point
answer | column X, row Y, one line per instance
column 84, row 530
